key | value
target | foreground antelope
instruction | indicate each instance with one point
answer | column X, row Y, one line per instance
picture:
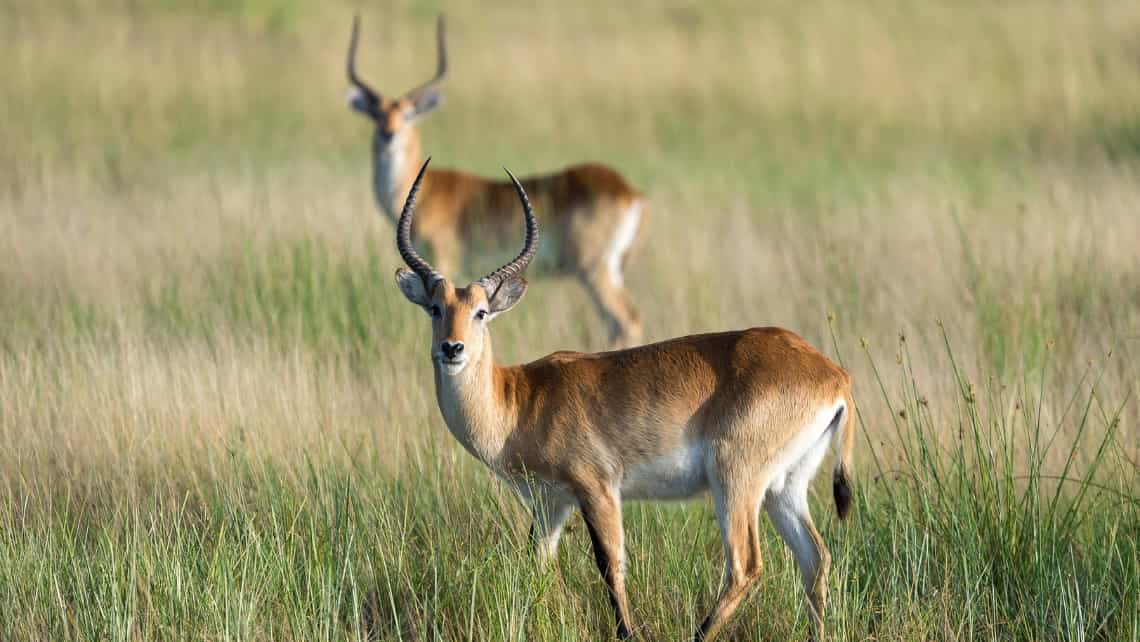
column 746, row 415
column 591, row 212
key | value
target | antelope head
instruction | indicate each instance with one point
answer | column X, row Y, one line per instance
column 460, row 316
column 392, row 116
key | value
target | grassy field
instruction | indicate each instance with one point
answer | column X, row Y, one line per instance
column 216, row 413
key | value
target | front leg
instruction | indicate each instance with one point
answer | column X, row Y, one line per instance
column 447, row 252
column 550, row 511
column 602, row 513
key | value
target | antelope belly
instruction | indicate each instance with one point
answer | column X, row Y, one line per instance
column 676, row 475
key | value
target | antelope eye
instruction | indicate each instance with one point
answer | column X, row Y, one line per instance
column 435, row 312
column 481, row 314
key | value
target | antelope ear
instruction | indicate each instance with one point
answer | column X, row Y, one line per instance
column 413, row 287
column 506, row 296
column 425, row 103
column 361, row 102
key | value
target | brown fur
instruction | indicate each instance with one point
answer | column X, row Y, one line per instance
column 746, row 415
column 584, row 209
column 571, row 427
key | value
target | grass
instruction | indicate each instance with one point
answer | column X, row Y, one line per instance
column 962, row 536
column 216, row 417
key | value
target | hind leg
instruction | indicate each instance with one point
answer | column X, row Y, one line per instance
column 613, row 303
column 789, row 513
column 737, row 511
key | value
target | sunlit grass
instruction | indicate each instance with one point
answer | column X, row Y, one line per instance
column 957, row 532
column 216, row 413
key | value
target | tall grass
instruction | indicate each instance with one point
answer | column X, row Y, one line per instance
column 216, row 416
column 959, row 535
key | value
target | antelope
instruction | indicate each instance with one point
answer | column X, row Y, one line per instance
column 593, row 214
column 747, row 416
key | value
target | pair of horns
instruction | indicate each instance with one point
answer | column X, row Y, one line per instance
column 413, row 95
column 492, row 281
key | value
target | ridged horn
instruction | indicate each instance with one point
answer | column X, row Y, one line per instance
column 372, row 96
column 441, row 69
column 427, row 273
column 516, row 267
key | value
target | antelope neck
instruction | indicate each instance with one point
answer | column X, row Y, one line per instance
column 394, row 167
column 473, row 404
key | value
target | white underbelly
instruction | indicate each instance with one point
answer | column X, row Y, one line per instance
column 676, row 475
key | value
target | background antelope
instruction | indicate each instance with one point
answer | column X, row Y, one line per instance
column 592, row 215
column 746, row 415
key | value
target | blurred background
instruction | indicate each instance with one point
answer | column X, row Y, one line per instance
column 943, row 196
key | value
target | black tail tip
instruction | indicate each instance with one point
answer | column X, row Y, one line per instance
column 842, row 492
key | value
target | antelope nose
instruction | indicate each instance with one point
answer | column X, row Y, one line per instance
column 451, row 350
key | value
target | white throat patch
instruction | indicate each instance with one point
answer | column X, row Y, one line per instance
column 388, row 169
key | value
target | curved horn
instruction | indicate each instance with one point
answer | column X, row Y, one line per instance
column 515, row 268
column 441, row 70
column 372, row 96
column 427, row 273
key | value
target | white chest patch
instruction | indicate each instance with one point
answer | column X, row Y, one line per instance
column 676, row 475
column 388, row 167
column 467, row 419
